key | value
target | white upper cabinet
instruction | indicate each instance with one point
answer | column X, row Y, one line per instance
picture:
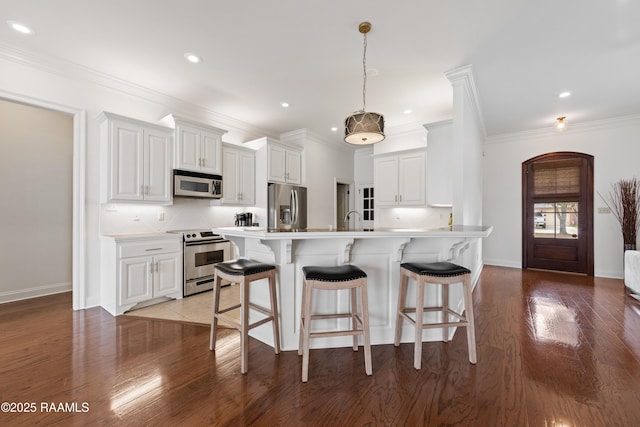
column 136, row 160
column 239, row 179
column 198, row 147
column 400, row 180
column 284, row 164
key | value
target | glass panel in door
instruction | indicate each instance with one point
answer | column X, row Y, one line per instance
column 556, row 220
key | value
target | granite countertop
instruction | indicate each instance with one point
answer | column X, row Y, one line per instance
column 320, row 233
column 142, row 236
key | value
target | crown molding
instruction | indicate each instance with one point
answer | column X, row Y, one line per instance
column 406, row 129
column 429, row 126
column 464, row 76
column 54, row 65
column 305, row 134
column 575, row 128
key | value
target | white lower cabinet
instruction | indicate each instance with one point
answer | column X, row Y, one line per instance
column 138, row 269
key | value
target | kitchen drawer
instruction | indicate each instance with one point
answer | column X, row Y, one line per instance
column 149, row 248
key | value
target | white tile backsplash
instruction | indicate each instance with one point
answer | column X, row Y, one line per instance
column 183, row 214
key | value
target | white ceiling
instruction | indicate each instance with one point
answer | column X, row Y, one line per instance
column 256, row 54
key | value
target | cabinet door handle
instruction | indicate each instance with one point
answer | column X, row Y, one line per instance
column 395, row 198
column 153, row 249
column 157, row 267
column 401, row 197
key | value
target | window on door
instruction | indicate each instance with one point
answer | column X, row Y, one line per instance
column 556, row 220
column 367, row 196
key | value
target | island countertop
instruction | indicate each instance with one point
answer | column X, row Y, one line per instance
column 472, row 231
column 378, row 252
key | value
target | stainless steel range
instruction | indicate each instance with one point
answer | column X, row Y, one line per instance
column 202, row 250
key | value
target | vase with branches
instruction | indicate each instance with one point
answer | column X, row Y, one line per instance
column 624, row 202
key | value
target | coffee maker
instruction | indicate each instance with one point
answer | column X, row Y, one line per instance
column 244, row 219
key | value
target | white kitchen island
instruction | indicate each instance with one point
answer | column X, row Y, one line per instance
column 378, row 252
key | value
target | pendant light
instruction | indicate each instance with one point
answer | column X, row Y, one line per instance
column 362, row 127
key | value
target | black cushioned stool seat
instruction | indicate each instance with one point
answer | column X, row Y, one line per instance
column 334, row 278
column 243, row 267
column 244, row 271
column 435, row 273
column 340, row 273
column 437, row 269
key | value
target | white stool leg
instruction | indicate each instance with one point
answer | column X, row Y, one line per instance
column 354, row 312
column 306, row 311
column 468, row 308
column 365, row 326
column 274, row 311
column 445, row 314
column 217, row 283
column 244, row 326
column 302, row 319
column 417, row 351
column 402, row 297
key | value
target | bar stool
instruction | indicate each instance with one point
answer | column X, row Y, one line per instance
column 244, row 271
column 436, row 273
column 334, row 278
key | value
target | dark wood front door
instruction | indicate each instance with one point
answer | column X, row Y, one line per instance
column 557, row 212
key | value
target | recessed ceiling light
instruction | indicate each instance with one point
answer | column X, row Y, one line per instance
column 192, row 57
column 408, row 111
column 565, row 94
column 334, row 129
column 284, row 104
column 21, row 28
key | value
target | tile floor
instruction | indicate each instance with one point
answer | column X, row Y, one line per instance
column 193, row 309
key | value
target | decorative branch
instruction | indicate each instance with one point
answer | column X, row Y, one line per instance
column 624, row 203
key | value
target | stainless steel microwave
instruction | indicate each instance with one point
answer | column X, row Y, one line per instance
column 196, row 184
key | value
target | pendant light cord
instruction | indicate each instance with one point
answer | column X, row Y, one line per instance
column 364, row 74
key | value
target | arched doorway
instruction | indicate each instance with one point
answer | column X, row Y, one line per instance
column 557, row 212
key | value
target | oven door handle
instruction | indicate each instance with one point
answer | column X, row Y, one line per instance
column 204, row 242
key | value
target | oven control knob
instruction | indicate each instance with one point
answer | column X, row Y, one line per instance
column 191, row 235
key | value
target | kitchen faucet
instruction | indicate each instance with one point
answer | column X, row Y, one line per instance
column 346, row 217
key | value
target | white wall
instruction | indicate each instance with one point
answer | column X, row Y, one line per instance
column 616, row 150
column 325, row 163
column 36, row 154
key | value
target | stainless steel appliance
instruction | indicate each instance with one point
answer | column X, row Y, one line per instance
column 196, row 184
column 287, row 207
column 202, row 250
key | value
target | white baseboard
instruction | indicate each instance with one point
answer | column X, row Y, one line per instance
column 502, row 263
column 39, row 291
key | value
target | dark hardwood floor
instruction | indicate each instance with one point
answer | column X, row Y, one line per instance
column 553, row 350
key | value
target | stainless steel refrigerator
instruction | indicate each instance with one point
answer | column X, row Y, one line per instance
column 287, row 207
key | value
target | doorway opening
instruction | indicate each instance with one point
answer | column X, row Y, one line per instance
column 557, row 212
column 79, row 244
column 343, row 205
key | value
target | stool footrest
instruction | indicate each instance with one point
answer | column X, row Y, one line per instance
column 347, row 332
column 336, row 316
column 261, row 309
column 224, row 310
column 436, row 309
